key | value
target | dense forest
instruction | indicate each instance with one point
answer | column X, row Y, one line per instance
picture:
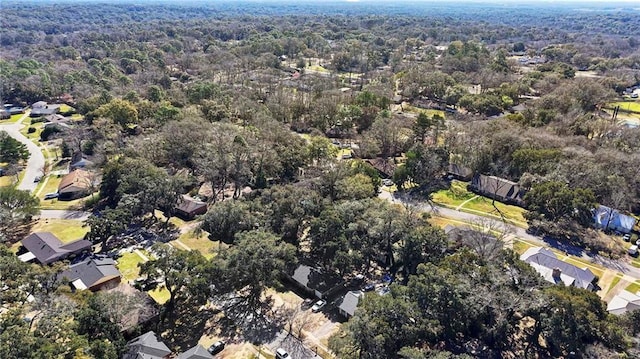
column 291, row 121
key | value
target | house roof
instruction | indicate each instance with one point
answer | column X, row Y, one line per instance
column 459, row 170
column 624, row 302
column 78, row 180
column 146, row 346
column 39, row 104
column 492, row 185
column 350, row 302
column 385, row 167
column 604, row 216
column 189, row 205
column 545, row 262
column 55, row 118
column 47, row 248
column 315, row 278
column 91, row 272
column 197, row 352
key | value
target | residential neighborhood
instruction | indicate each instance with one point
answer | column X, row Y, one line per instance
column 310, row 180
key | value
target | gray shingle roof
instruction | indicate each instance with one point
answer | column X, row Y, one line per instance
column 146, row 346
column 91, row 271
column 350, row 302
column 545, row 262
column 197, row 352
column 47, row 248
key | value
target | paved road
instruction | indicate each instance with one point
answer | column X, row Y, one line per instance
column 617, row 265
column 64, row 214
column 36, row 159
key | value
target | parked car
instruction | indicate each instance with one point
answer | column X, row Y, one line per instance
column 37, row 179
column 318, row 305
column 626, row 237
column 633, row 250
column 216, row 347
column 282, row 354
column 368, row 287
column 51, row 195
column 387, row 182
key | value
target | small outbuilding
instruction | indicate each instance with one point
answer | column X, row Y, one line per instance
column 188, row 208
column 349, row 303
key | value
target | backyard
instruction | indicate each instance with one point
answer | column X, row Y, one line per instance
column 66, row 230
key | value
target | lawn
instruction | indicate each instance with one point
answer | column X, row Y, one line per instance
column 128, row 266
column 199, row 242
column 630, row 106
column 51, row 185
column 454, row 196
column 429, row 112
column 66, row 229
column 614, row 282
column 34, row 136
column 520, row 246
column 14, row 118
column 318, row 68
column 7, row 181
column 160, row 295
column 66, row 108
column 484, row 205
column 634, row 287
column 76, row 204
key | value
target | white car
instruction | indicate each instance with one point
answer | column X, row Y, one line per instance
column 318, row 305
column 387, row 182
column 282, row 354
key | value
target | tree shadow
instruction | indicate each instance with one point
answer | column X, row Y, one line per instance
column 182, row 328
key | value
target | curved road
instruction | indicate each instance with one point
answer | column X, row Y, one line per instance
column 616, row 265
column 36, row 162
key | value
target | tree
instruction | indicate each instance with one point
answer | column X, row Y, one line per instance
column 255, row 262
column 16, row 210
column 104, row 335
column 227, row 218
column 186, row 275
column 555, row 200
column 12, row 150
column 121, row 112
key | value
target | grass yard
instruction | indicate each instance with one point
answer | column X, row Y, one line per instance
column 14, row 118
column 630, row 106
column 520, row 246
column 51, row 185
column 429, row 112
column 6, row 181
column 318, row 68
column 128, row 266
column 76, row 204
column 614, row 282
column 66, row 229
column 160, row 295
column 199, row 242
column 66, row 108
column 34, row 136
column 483, row 204
column 634, row 287
column 454, row 196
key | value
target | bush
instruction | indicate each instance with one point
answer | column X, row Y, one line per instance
column 31, row 130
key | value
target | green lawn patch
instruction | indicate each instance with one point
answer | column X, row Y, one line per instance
column 76, row 204
column 614, row 282
column 199, row 242
column 160, row 295
column 317, row 68
column 521, row 247
column 33, row 136
column 633, row 287
column 629, row 106
column 66, row 108
column 14, row 118
column 454, row 196
column 427, row 111
column 66, row 229
column 483, row 204
column 6, row 181
column 128, row 266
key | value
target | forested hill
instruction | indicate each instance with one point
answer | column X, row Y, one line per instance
column 613, row 18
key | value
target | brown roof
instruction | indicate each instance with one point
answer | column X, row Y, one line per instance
column 385, row 167
column 78, row 180
column 498, row 188
column 189, row 205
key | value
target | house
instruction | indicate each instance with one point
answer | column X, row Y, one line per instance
column 315, row 281
column 47, row 248
column 144, row 313
column 497, row 188
column 197, row 352
column 94, row 273
column 608, row 218
column 624, row 302
column 55, row 119
column 385, row 167
column 349, row 303
column 187, row 208
column 41, row 108
column 556, row 271
column 459, row 172
column 146, row 346
column 79, row 161
column 75, row 185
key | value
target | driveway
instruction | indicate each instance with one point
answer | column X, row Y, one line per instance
column 36, row 162
column 64, row 214
column 617, row 265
